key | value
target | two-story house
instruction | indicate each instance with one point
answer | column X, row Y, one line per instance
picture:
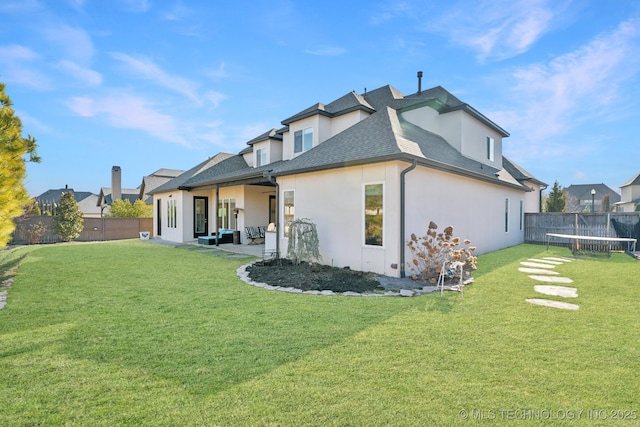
column 368, row 169
column 630, row 197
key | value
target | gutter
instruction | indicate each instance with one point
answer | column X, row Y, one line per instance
column 402, row 213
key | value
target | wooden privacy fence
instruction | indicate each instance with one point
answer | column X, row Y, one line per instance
column 614, row 224
column 95, row 229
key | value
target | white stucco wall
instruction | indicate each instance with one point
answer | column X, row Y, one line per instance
column 334, row 201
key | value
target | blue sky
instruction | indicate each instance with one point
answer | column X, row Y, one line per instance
column 147, row 84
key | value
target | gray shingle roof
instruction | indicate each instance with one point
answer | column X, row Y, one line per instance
column 178, row 181
column 633, row 181
column 583, row 192
column 518, row 172
column 345, row 104
column 380, row 137
column 231, row 171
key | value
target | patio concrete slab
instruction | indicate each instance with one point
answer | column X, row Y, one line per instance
column 554, row 304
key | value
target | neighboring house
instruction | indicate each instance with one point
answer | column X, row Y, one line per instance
column 581, row 197
column 85, row 199
column 630, row 197
column 369, row 170
column 153, row 181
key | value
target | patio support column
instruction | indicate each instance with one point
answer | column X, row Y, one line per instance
column 402, row 213
column 215, row 227
column 273, row 180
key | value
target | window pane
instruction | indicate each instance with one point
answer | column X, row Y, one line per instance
column 490, row 148
column 308, row 139
column 506, row 215
column 373, row 214
column 289, row 210
column 297, row 142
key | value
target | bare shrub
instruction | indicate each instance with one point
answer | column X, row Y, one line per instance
column 434, row 251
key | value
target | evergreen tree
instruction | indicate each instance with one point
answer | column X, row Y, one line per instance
column 68, row 221
column 556, row 200
column 13, row 171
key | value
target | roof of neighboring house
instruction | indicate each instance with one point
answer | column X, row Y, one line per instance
column 633, row 181
column 105, row 198
column 583, row 191
column 54, row 195
column 178, row 181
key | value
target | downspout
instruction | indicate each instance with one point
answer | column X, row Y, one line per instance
column 217, row 213
column 402, row 214
column 273, row 180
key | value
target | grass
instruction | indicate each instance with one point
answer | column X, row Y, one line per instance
column 131, row 333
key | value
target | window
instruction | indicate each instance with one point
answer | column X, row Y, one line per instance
column 226, row 217
column 261, row 157
column 302, row 140
column 289, row 210
column 490, row 148
column 506, row 215
column 172, row 214
column 521, row 215
column 373, row 210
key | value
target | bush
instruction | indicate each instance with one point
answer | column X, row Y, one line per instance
column 434, row 252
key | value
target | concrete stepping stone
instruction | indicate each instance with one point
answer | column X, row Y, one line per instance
column 546, row 261
column 558, row 259
column 551, row 279
column 554, row 304
column 536, row 264
column 557, row 291
column 536, row 270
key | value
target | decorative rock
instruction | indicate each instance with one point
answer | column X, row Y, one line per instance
column 536, row 270
column 327, row 293
column 558, row 291
column 551, row 279
column 351, row 294
column 554, row 304
column 2, row 304
column 406, row 293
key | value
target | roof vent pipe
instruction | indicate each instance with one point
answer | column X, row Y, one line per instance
column 419, row 81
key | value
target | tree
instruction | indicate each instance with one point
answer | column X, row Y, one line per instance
column 67, row 221
column 124, row 209
column 13, row 171
column 606, row 203
column 556, row 200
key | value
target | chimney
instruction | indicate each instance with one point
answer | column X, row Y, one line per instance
column 419, row 81
column 116, row 183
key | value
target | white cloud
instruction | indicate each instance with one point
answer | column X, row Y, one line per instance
column 123, row 110
column 498, row 29
column 75, row 43
column 215, row 97
column 84, row 75
column 148, row 70
column 21, row 66
column 327, row 51
column 572, row 90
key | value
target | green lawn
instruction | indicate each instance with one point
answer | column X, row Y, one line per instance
column 133, row 333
